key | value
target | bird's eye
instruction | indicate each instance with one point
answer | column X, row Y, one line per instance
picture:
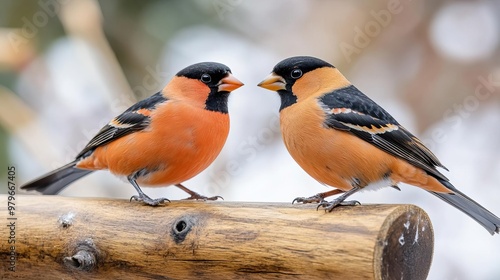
column 296, row 73
column 206, row 78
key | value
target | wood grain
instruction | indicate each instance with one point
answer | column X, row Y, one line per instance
column 88, row 238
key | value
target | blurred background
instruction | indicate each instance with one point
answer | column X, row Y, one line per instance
column 68, row 66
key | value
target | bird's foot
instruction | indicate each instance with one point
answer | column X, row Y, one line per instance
column 197, row 196
column 318, row 198
column 328, row 206
column 148, row 200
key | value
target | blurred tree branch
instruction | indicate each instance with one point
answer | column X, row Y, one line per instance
column 21, row 123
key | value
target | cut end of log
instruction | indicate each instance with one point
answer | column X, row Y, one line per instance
column 405, row 245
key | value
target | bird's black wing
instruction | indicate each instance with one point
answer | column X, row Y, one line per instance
column 350, row 110
column 135, row 118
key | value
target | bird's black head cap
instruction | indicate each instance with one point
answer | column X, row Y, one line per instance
column 293, row 68
column 199, row 71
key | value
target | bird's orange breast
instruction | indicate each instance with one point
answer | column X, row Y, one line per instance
column 340, row 159
column 181, row 141
column 332, row 157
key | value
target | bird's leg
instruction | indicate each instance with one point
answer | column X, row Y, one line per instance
column 340, row 200
column 143, row 197
column 317, row 198
column 195, row 195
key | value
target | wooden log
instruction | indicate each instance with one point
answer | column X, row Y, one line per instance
column 83, row 238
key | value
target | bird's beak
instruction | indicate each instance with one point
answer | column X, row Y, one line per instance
column 229, row 83
column 273, row 82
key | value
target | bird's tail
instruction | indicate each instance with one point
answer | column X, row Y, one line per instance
column 55, row 181
column 465, row 204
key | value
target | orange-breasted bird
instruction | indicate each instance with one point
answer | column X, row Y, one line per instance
column 164, row 139
column 343, row 139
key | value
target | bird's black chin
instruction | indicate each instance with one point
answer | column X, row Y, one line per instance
column 287, row 98
column 217, row 102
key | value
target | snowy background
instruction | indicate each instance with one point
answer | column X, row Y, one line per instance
column 67, row 67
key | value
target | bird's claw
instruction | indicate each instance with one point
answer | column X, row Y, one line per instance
column 328, row 206
column 198, row 196
column 312, row 199
column 149, row 201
